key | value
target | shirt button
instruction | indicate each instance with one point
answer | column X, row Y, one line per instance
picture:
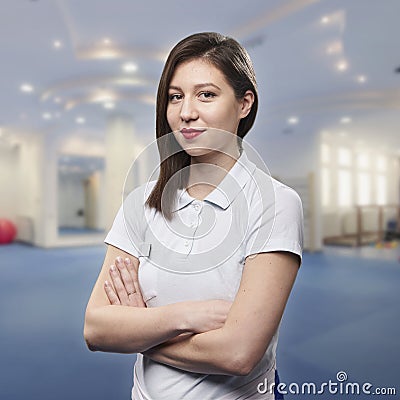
column 196, row 207
column 186, row 243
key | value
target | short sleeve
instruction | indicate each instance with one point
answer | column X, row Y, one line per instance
column 276, row 225
column 128, row 228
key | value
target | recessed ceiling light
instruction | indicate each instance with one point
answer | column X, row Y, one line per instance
column 106, row 41
column 26, row 88
column 334, row 48
column 342, row 66
column 325, row 20
column 293, row 120
column 80, row 120
column 345, row 120
column 57, row 44
column 129, row 67
column 361, row 78
column 46, row 116
column 57, row 100
column 109, row 105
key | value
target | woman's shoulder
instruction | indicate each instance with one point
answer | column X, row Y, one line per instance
column 274, row 191
column 284, row 190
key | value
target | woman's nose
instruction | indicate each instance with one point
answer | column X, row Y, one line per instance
column 188, row 110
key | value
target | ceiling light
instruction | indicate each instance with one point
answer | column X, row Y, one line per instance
column 361, row 78
column 325, row 20
column 293, row 120
column 106, row 41
column 80, row 120
column 334, row 48
column 102, row 96
column 342, row 66
column 109, row 105
column 57, row 100
column 26, row 88
column 107, row 54
column 129, row 67
column 46, row 116
column 57, row 44
column 345, row 120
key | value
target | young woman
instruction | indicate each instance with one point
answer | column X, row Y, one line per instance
column 203, row 259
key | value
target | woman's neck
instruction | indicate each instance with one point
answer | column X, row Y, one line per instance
column 206, row 172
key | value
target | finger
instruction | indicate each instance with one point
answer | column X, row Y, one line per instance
column 112, row 296
column 137, row 297
column 132, row 269
column 118, row 285
column 125, row 275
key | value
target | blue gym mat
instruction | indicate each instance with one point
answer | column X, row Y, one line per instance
column 343, row 315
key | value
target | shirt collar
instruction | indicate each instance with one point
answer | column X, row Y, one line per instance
column 224, row 194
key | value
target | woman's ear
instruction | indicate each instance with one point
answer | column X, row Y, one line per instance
column 246, row 103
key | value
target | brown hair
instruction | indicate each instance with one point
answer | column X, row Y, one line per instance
column 232, row 60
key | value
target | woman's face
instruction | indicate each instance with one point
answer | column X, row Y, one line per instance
column 199, row 100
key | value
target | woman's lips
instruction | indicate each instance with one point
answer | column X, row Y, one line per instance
column 190, row 133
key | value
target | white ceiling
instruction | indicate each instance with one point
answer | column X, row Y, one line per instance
column 286, row 39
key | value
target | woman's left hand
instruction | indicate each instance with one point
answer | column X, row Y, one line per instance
column 124, row 287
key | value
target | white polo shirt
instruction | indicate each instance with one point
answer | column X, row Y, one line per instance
column 200, row 255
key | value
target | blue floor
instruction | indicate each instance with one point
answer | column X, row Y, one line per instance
column 343, row 315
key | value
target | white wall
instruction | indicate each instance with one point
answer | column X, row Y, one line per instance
column 9, row 157
column 71, row 199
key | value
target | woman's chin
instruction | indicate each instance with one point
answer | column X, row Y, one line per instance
column 194, row 151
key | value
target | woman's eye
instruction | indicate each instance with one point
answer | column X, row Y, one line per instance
column 174, row 97
column 207, row 95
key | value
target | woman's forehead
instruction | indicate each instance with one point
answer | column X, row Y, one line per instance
column 198, row 70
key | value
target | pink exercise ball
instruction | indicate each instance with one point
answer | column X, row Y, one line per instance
column 8, row 231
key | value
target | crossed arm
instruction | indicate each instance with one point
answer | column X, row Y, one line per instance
column 210, row 337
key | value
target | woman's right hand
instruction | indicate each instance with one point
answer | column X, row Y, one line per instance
column 207, row 315
column 124, row 287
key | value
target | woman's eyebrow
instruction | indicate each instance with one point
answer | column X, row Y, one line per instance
column 198, row 86
column 201, row 85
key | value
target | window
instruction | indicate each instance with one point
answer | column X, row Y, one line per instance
column 381, row 192
column 363, row 160
column 326, row 187
column 325, row 154
column 381, row 163
column 344, row 188
column 364, row 189
column 344, row 157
